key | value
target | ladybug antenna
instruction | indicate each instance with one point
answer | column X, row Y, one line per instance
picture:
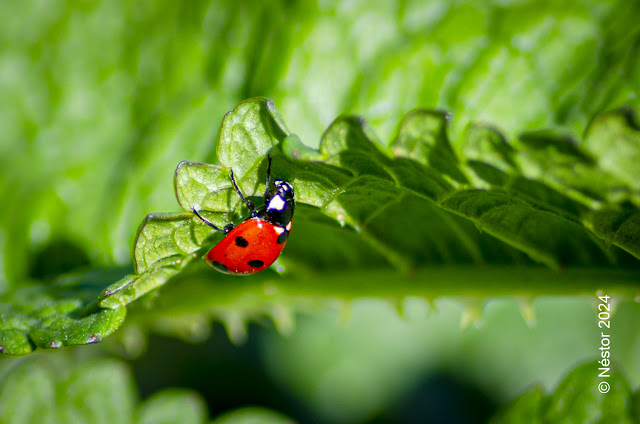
column 206, row 221
column 249, row 203
column 268, row 183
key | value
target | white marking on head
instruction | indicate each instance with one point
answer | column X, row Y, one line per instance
column 289, row 226
column 276, row 203
column 279, row 230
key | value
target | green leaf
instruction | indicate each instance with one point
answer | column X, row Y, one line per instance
column 172, row 406
column 532, row 209
column 527, row 228
column 619, row 226
column 98, row 392
column 63, row 314
column 131, row 288
column 163, row 240
column 422, row 136
column 614, row 139
column 248, row 133
column 38, row 382
column 46, row 390
column 203, row 187
column 148, row 97
column 379, row 195
column 368, row 188
column 252, row 415
column 577, row 399
column 93, row 127
column 294, row 148
column 526, row 408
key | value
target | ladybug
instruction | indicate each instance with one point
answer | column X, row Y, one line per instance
column 254, row 244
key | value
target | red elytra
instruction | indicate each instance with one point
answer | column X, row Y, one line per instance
column 249, row 248
column 257, row 242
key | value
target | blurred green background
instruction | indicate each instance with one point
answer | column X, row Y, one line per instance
column 100, row 100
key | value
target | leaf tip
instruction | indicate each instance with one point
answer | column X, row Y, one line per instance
column 472, row 313
column 236, row 328
column 283, row 319
column 526, row 310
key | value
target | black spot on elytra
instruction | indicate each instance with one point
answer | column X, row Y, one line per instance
column 217, row 265
column 283, row 237
column 256, row 263
column 241, row 242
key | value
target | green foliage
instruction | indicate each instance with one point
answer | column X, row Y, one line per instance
column 104, row 120
column 101, row 391
column 101, row 99
column 575, row 399
column 252, row 415
column 172, row 406
column 72, row 396
column 418, row 180
column 63, row 313
column 415, row 203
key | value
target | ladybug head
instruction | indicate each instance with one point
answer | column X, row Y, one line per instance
column 280, row 204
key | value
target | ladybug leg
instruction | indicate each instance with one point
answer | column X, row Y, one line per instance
column 225, row 230
column 267, row 192
column 249, row 203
